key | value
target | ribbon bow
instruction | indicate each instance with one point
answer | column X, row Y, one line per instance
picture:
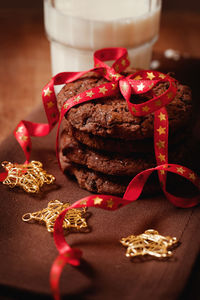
column 138, row 83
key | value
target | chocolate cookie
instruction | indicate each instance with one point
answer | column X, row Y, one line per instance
column 103, row 184
column 107, row 163
column 112, row 163
column 110, row 117
column 119, row 145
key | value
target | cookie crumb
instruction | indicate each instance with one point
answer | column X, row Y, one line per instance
column 155, row 64
column 172, row 54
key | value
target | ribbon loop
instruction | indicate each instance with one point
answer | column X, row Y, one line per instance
column 142, row 82
column 119, row 55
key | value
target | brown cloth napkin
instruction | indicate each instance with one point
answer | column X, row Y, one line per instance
column 27, row 250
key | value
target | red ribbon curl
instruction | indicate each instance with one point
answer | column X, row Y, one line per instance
column 138, row 83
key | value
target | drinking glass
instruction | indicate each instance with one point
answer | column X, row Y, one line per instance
column 76, row 28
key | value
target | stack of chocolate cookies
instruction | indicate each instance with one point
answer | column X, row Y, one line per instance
column 104, row 146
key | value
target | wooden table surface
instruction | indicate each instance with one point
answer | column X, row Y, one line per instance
column 25, row 58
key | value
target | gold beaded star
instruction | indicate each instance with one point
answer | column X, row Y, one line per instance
column 74, row 218
column 30, row 177
column 149, row 243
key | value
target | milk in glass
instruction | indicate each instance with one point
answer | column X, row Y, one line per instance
column 76, row 28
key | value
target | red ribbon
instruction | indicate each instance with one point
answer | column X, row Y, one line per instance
column 137, row 83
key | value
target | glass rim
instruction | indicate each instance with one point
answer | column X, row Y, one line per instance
column 50, row 3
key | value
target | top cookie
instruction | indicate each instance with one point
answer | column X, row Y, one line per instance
column 110, row 117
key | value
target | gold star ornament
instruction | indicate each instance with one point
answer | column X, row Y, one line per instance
column 30, row 177
column 74, row 218
column 149, row 243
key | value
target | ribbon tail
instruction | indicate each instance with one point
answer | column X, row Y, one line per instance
column 136, row 185
column 57, row 268
column 161, row 132
column 55, row 273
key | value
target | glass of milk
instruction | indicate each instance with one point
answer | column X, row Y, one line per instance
column 76, row 28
